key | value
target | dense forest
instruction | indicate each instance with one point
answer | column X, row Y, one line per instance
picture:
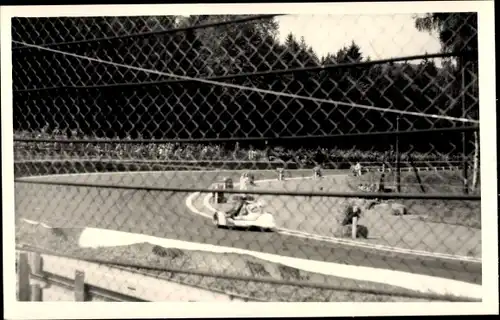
column 54, row 91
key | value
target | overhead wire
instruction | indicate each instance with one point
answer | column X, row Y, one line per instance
column 159, row 32
column 362, row 195
column 246, row 75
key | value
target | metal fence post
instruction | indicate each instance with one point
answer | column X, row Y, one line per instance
column 398, row 158
column 464, row 135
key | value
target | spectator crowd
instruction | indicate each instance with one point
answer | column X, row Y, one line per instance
column 63, row 148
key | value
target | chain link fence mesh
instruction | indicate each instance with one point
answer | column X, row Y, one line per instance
column 129, row 123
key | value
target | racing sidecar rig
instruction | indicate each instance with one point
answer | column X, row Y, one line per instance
column 249, row 214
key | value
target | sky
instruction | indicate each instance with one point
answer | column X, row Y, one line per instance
column 379, row 36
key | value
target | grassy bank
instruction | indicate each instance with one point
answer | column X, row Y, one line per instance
column 64, row 241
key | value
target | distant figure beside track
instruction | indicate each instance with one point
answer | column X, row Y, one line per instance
column 246, row 180
column 357, row 170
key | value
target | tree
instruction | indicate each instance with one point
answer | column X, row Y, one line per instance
column 192, row 109
column 111, row 109
column 458, row 32
column 234, row 49
column 344, row 85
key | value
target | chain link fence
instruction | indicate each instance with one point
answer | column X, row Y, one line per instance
column 224, row 160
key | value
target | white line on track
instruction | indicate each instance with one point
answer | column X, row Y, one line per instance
column 145, row 172
column 360, row 244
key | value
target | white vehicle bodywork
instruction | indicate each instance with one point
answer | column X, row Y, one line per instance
column 255, row 216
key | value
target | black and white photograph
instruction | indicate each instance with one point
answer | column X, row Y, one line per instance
column 238, row 154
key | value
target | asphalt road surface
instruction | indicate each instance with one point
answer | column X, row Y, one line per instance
column 164, row 214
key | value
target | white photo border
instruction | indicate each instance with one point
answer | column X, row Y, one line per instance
column 71, row 310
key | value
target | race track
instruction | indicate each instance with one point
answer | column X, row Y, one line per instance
column 164, row 214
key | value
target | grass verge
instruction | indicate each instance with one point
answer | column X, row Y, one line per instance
column 454, row 212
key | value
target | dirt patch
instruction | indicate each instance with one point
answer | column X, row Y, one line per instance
column 257, row 269
column 288, row 273
column 392, row 208
column 171, row 253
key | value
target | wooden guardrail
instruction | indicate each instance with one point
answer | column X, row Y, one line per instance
column 38, row 273
column 33, row 280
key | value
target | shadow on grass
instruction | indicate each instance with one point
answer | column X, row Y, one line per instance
column 247, row 229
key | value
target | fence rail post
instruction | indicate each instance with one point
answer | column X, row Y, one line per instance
column 36, row 263
column 79, row 286
column 36, row 292
column 23, row 277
